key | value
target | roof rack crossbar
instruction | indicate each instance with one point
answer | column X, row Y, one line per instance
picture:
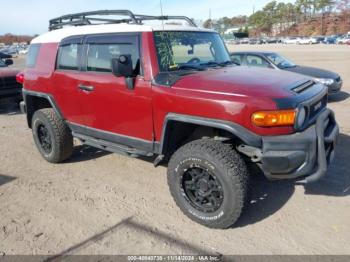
column 166, row 17
column 86, row 19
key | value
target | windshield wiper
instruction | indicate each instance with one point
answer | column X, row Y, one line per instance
column 210, row 63
column 188, row 67
column 222, row 64
column 229, row 62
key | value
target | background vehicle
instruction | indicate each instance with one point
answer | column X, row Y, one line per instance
column 172, row 92
column 291, row 40
column 342, row 40
column 310, row 40
column 271, row 40
column 255, row 41
column 8, row 84
column 275, row 61
column 329, row 40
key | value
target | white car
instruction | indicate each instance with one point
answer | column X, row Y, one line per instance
column 23, row 52
column 291, row 40
column 307, row 41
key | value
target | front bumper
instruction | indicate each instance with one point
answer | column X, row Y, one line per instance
column 304, row 154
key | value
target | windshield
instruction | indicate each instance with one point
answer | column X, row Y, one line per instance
column 280, row 61
column 178, row 50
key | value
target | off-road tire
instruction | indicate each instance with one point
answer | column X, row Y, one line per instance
column 230, row 170
column 60, row 135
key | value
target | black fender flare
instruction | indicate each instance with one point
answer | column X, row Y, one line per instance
column 29, row 112
column 248, row 137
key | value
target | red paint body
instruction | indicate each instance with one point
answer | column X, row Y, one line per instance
column 230, row 94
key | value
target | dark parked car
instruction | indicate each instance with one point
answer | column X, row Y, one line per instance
column 8, row 85
column 255, row 41
column 330, row 40
column 275, row 61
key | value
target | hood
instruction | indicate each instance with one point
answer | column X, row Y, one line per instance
column 242, row 81
column 6, row 72
column 312, row 72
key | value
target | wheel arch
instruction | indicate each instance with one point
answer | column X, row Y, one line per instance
column 35, row 101
column 176, row 127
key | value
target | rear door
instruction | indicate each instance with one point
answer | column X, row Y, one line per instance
column 65, row 79
column 110, row 110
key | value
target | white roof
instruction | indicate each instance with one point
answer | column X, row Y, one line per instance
column 57, row 35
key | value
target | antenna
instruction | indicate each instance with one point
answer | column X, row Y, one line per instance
column 161, row 12
column 210, row 21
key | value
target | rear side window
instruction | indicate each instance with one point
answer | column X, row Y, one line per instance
column 100, row 55
column 32, row 55
column 101, row 49
column 68, row 57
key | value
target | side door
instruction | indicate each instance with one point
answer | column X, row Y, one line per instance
column 110, row 110
column 65, row 79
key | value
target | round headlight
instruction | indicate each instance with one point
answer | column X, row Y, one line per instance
column 301, row 117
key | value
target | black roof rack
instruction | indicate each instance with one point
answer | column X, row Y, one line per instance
column 87, row 18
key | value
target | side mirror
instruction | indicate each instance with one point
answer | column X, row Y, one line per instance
column 8, row 62
column 122, row 66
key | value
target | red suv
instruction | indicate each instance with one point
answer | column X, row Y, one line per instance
column 172, row 92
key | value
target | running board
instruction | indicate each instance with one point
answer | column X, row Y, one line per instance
column 110, row 146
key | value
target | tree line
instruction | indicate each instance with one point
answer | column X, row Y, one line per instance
column 283, row 14
column 10, row 38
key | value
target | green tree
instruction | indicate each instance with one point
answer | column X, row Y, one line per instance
column 208, row 23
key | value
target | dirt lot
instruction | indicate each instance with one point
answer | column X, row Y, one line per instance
column 101, row 203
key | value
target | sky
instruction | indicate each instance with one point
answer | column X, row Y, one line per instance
column 31, row 17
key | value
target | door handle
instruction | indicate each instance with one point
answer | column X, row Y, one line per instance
column 86, row 88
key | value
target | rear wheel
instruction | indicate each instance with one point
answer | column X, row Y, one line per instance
column 52, row 136
column 209, row 182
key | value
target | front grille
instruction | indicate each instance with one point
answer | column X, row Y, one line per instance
column 9, row 83
column 303, row 87
column 313, row 109
column 9, row 87
column 317, row 107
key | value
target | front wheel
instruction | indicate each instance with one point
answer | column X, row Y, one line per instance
column 208, row 181
column 52, row 136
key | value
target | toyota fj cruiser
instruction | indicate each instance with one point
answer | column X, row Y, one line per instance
column 172, row 92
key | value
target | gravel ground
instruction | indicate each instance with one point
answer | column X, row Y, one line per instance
column 102, row 203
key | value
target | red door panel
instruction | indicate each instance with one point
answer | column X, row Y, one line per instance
column 112, row 107
column 66, row 93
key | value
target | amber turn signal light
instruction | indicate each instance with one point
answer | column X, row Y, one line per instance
column 274, row 118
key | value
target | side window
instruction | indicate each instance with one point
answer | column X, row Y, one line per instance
column 100, row 56
column 68, row 57
column 32, row 55
column 257, row 61
column 236, row 59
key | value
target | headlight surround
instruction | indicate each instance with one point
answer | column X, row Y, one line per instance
column 301, row 117
column 325, row 81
